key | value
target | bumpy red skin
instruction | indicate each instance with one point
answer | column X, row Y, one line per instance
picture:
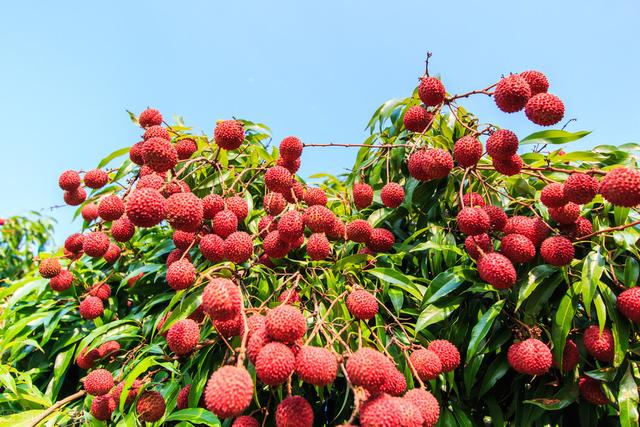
column 285, row 323
column 447, row 353
column 467, row 151
column 621, row 187
column 473, row 221
column 238, row 206
column 359, row 231
column 275, row 363
column 426, row 404
column 318, row 219
column 69, row 180
column 497, row 270
column 629, row 304
column 73, row 243
column 532, row 228
column 531, row 357
column 186, row 148
column 116, row 392
column 580, row 188
column 426, row 363
column 438, row 163
column 318, row 247
column 278, row 179
column 380, row 240
column 221, row 299
column 135, row 153
column 537, row 81
column 274, row 203
column 151, row 406
column 62, row 281
column 184, row 211
column 108, row 348
column 159, row 154
column 508, row 167
column 290, row 148
column 291, row 165
column 591, row 391
column 175, row 255
column 570, row 356
column 395, row 384
column 100, row 290
column 417, row 119
column 102, row 407
column 49, row 268
column 145, row 207
column 545, row 109
column 229, row 134
column 497, row 217
column 417, row 163
column 369, row 369
column 362, row 195
column 75, row 197
column 553, row 195
column 315, row 196
column 431, row 91
column 150, row 117
column 517, row 248
column 225, row 223
column 96, row 178
column 502, row 144
column 98, row 382
column 565, row 215
column 212, row 204
column 113, row 253
column 156, row 132
column 392, row 195
column 386, row 411
column 471, row 244
column 183, row 239
column 229, row 391
column 600, row 346
column 557, row 251
column 183, row 336
column 86, row 358
column 291, row 226
column 512, row 93
column 182, row 401
column 91, row 308
column 274, row 246
column 294, row 411
column 316, row 365
column 230, row 328
column 181, row 274
column 122, row 229
column 238, row 247
column 245, row 421
column 473, row 199
column 89, row 212
column 362, row 305
column 581, row 228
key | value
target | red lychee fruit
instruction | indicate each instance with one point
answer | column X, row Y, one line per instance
column 274, row 246
column 245, row 421
column 182, row 401
column 156, row 132
column 212, row 204
column 368, row 368
column 380, row 240
column 502, row 144
column 318, row 247
column 426, row 363
column 362, row 195
column 73, row 243
column 258, row 339
column 316, row 365
column 570, row 356
column 533, row 228
column 183, row 336
column 385, row 410
column 98, row 382
column 473, row 221
column 537, row 81
column 113, row 253
column 438, row 163
column 315, row 196
column 230, row 328
column 153, row 180
column 278, row 179
column 150, row 407
column 288, row 296
column 473, row 199
column 291, row 226
column 557, row 251
column 175, row 255
column 475, row 244
column 102, row 407
column 508, row 167
column 392, row 195
column 184, row 211
column 518, row 248
column 290, row 148
column 591, row 391
column 116, row 392
column 89, row 212
column 75, row 197
column 95, row 244
column 285, row 323
column 431, row 91
column 599, row 345
column 238, row 247
column 467, row 151
column 96, row 178
column 290, row 165
column 145, row 207
column 426, row 404
column 565, row 215
column 135, row 153
column 238, row 206
column 338, row 230
column 100, row 290
column 91, row 308
column 266, row 225
column 359, row 231
column 581, row 228
column 274, row 203
column 395, row 384
column 512, row 93
column 69, row 180
column 497, row 217
column 621, row 187
column 362, row 305
column 181, row 274
column 229, row 391
column 275, row 363
column 159, row 154
column 447, row 353
column 553, row 195
column 544, row 109
column 49, row 268
column 531, row 357
column 580, row 188
column 108, row 348
column 416, row 163
column 318, row 218
column 150, row 117
column 294, row 411
column 229, row 134
column 497, row 270
column 221, row 299
column 629, row 304
column 62, row 281
column 417, row 119
column 86, row 358
column 185, row 148
column 183, row 239
column 225, row 223
column 111, row 208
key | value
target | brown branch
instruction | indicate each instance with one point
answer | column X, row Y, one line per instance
column 606, row 230
column 55, row 407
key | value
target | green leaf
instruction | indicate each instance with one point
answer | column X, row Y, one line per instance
column 628, row 400
column 395, row 277
column 397, row 298
column 195, row 415
column 535, row 277
column 592, row 270
column 565, row 397
column 553, row 137
column 496, row 370
column 562, row 324
column 481, row 329
column 443, row 284
column 113, row 156
column 433, row 314
column 631, row 270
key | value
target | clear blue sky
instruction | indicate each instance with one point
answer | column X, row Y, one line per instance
column 71, row 69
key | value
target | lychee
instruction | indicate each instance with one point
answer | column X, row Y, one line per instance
column 245, row 421
column 512, row 93
column 86, row 358
column 278, row 179
column 294, row 411
column 438, row 163
column 544, row 109
column 156, row 131
column 212, row 204
column 473, row 221
column 497, row 270
column 135, row 153
column 380, row 240
column 431, row 91
column 497, row 217
column 383, row 411
column 502, row 144
column 580, row 188
column 392, row 195
column 518, row 248
column 290, row 148
column 362, row 195
column 275, row 363
column 98, row 382
column 150, row 117
column 225, row 222
column 95, row 244
column 359, row 231
column 229, row 391
column 291, row 226
column 621, row 187
column 531, row 357
column 285, row 323
column 447, row 353
column 318, row 247
column 416, row 163
column 91, row 307
column 567, row 214
column 221, row 299
column 183, row 336
column 316, row 365
column 417, row 119
column 291, row 165
column 69, row 180
column 229, row 134
column 426, row 363
column 629, row 304
column 599, row 345
column 151, row 406
column 96, row 178
column 89, row 212
column 473, row 199
column 318, row 218
column 274, row 203
column 230, row 328
column 145, row 207
column 238, row 247
column 557, row 251
column 274, row 246
column 100, row 290
column 73, row 243
column 112, row 254
column 181, row 274
column 362, row 305
column 475, row 244
column 509, row 167
column 102, row 407
column 75, row 197
column 368, row 368
column 185, row 148
column 315, row 196
column 570, row 356
column 49, row 267
column 62, row 281
column 426, row 404
column 184, row 211
column 182, row 401
column 467, row 151
column 591, row 391
column 238, row 206
column 537, row 81
column 553, row 195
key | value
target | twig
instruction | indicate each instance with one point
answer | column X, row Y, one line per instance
column 55, row 407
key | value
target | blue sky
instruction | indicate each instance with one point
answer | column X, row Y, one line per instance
column 71, row 69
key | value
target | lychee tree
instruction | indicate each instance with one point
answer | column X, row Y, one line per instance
column 452, row 278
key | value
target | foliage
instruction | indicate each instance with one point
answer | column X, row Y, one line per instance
column 21, row 240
